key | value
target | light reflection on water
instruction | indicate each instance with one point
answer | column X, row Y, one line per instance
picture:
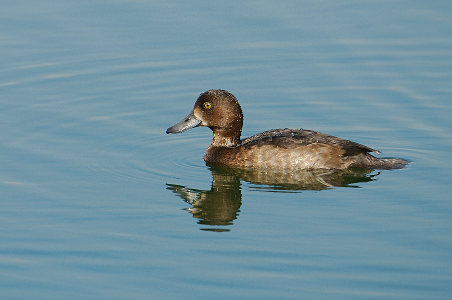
column 95, row 197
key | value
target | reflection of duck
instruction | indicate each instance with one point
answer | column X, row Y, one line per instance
column 220, row 205
column 289, row 149
column 315, row 179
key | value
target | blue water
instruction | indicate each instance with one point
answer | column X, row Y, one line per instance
column 97, row 202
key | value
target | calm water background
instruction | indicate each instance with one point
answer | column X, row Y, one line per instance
column 96, row 201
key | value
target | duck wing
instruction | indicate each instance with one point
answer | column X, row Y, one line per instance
column 290, row 138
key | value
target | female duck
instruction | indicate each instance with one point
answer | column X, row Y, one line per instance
column 284, row 149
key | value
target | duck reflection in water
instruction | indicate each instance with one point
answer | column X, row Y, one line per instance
column 220, row 206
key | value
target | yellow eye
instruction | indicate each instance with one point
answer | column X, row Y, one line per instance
column 207, row 105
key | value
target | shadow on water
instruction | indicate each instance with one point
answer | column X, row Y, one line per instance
column 220, row 206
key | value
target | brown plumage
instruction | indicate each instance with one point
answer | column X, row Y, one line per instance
column 286, row 149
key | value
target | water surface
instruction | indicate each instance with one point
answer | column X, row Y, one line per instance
column 97, row 202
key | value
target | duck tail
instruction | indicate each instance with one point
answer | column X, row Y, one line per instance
column 372, row 162
column 390, row 163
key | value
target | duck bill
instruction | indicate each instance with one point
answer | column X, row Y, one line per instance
column 188, row 122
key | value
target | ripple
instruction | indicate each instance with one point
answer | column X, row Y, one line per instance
column 153, row 158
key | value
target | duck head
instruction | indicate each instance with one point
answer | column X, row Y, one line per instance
column 220, row 111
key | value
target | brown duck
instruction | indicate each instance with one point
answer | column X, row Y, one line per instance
column 277, row 149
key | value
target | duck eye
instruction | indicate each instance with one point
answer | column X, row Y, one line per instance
column 207, row 105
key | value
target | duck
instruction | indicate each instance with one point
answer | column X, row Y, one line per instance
column 276, row 149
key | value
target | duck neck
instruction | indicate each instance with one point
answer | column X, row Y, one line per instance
column 222, row 139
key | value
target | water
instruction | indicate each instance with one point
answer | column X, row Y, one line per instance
column 97, row 202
